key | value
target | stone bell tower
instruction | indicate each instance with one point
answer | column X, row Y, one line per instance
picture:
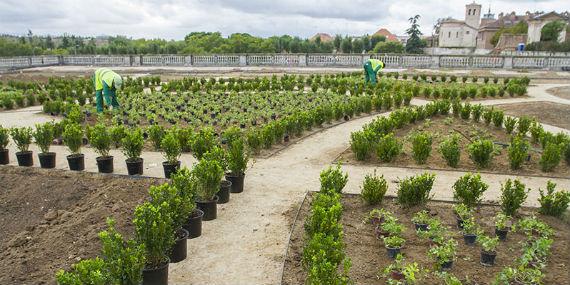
column 473, row 14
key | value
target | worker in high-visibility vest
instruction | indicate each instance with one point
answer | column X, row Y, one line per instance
column 371, row 68
column 106, row 84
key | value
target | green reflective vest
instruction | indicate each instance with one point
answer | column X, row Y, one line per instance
column 104, row 75
column 376, row 64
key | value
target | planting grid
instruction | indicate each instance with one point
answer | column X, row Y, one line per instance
column 246, row 244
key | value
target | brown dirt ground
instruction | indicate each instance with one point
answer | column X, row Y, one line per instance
column 546, row 112
column 562, row 92
column 368, row 254
column 469, row 131
column 50, row 218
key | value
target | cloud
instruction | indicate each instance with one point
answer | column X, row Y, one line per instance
column 173, row 19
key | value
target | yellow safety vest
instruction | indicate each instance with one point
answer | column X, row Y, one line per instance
column 376, row 63
column 104, row 75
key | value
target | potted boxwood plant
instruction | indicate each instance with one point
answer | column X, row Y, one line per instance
column 179, row 208
column 398, row 271
column 238, row 158
column 44, row 135
column 462, row 212
column 421, row 220
column 100, row 139
column 208, row 174
column 390, row 227
column 502, row 226
column 444, row 254
column 488, row 252
column 393, row 245
column 73, row 139
column 219, row 154
column 23, row 138
column 154, row 228
column 469, row 231
column 4, row 140
column 133, row 143
column 186, row 186
column 171, row 149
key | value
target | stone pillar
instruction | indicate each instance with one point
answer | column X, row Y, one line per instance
column 243, row 60
column 435, row 59
column 302, row 60
column 508, row 62
column 188, row 60
column 365, row 57
column 60, row 60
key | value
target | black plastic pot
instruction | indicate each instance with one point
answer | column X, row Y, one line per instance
column 25, row 158
column 488, row 258
column 209, row 208
column 179, row 249
column 47, row 160
column 135, row 166
column 421, row 227
column 76, row 162
column 392, row 252
column 397, row 275
column 224, row 193
column 469, row 239
column 156, row 276
column 170, row 168
column 194, row 224
column 501, row 234
column 237, row 182
column 447, row 265
column 105, row 164
column 4, row 156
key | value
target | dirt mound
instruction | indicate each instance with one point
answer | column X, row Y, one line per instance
column 50, row 218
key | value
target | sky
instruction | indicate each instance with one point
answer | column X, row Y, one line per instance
column 173, row 19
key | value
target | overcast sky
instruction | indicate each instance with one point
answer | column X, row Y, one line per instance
column 173, row 19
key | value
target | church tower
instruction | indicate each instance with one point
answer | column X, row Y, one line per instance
column 473, row 14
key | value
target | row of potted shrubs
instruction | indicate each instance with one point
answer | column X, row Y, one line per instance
column 173, row 214
column 378, row 137
column 468, row 191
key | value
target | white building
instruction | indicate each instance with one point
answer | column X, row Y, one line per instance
column 461, row 34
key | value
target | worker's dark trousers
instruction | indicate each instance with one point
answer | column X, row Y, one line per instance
column 369, row 73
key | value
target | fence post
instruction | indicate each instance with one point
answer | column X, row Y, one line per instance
column 242, row 60
column 508, row 62
column 60, row 60
column 435, row 61
column 302, row 60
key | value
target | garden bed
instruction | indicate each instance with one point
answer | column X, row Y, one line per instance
column 50, row 219
column 546, row 112
column 562, row 92
column 440, row 127
column 368, row 255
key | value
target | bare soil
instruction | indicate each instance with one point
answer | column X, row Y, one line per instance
column 50, row 218
column 562, row 92
column 469, row 131
column 368, row 255
column 546, row 112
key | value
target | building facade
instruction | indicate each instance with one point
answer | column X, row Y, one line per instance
column 461, row 34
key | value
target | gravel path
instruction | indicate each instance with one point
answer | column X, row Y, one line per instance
column 246, row 244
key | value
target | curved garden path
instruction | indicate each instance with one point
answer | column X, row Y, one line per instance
column 246, row 244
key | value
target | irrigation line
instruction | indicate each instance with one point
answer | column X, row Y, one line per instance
column 291, row 233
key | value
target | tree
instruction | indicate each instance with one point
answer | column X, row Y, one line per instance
column 357, row 46
column 551, row 31
column 414, row 43
column 346, row 45
column 375, row 39
column 337, row 41
column 389, row 47
column 49, row 42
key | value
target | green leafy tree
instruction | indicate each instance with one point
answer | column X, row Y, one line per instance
column 414, row 43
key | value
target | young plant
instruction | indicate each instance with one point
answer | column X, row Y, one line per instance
column 44, row 135
column 488, row 244
column 409, row 271
column 392, row 227
column 421, row 146
column 73, row 138
column 444, row 252
column 208, row 174
column 361, row 144
column 179, row 206
column 415, row 190
column 333, row 179
column 470, row 227
column 133, row 143
column 551, row 156
column 156, row 133
column 117, row 134
column 22, row 137
column 510, row 123
column 100, row 139
column 394, row 242
column 237, row 157
column 154, row 229
column 553, row 203
column 421, row 218
column 518, row 151
column 373, row 189
column 469, row 190
column 449, row 149
column 513, row 195
column 203, row 142
column 481, row 152
column 87, row 271
column 4, row 137
column 502, row 221
column 498, row 117
column 171, row 148
column 388, row 148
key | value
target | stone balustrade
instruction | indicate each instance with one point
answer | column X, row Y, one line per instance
column 297, row 60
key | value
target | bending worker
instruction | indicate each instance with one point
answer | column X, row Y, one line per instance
column 106, row 84
column 371, row 68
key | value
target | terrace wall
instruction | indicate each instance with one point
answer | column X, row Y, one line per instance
column 503, row 61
